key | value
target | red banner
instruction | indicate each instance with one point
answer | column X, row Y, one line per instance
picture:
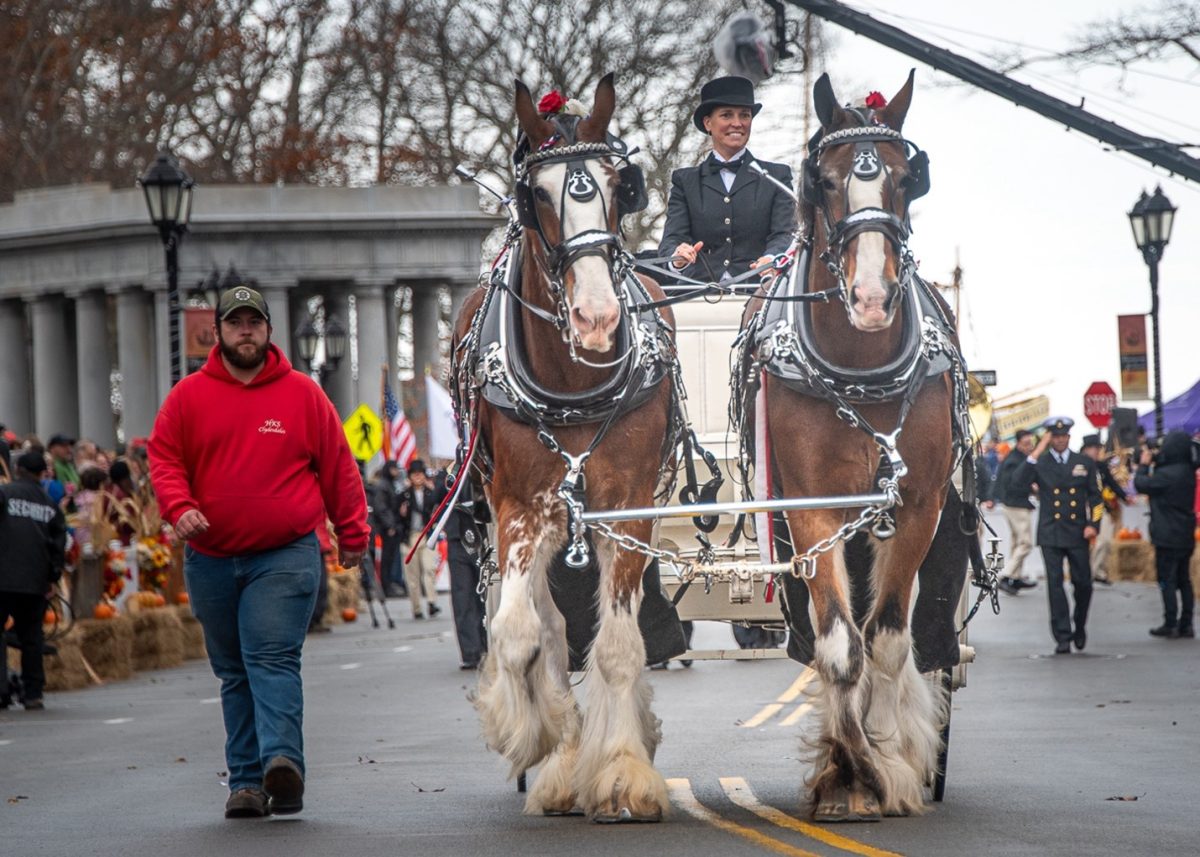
column 1135, row 377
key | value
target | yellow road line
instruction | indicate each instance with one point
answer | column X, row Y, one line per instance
column 740, row 793
column 795, row 716
column 682, row 797
column 772, row 708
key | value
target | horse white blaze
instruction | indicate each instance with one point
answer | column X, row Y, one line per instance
column 868, row 287
column 594, row 308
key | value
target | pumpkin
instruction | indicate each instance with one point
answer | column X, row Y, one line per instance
column 349, row 615
column 182, row 598
column 104, row 611
column 160, row 600
column 49, row 618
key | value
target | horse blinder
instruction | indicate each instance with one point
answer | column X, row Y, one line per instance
column 631, row 191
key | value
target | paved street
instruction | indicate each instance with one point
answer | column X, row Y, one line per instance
column 396, row 765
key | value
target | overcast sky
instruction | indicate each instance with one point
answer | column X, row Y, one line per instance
column 1035, row 213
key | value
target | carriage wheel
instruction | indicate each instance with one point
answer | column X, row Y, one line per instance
column 521, row 782
column 946, row 683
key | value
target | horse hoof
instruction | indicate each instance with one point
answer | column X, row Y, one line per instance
column 624, row 816
column 844, row 805
column 563, row 813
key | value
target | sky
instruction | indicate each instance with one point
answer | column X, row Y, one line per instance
column 1035, row 214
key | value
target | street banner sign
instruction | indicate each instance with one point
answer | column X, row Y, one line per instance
column 1098, row 403
column 1131, row 335
column 364, row 431
column 1025, row 414
column 986, row 377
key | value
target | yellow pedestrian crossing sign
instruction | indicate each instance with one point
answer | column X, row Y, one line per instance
column 364, row 431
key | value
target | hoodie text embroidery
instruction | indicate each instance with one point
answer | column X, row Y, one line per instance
column 272, row 427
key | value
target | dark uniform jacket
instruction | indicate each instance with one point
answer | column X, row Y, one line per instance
column 753, row 218
column 1068, row 497
column 1171, row 487
column 33, row 538
column 1006, row 491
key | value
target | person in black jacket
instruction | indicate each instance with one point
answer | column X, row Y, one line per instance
column 33, row 539
column 1169, row 480
column 1018, row 513
column 383, row 496
column 462, row 552
column 418, row 502
column 1069, row 510
column 723, row 218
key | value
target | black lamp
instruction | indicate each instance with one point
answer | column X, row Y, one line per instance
column 1151, row 219
column 168, row 191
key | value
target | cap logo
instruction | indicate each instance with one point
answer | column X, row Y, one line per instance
column 242, row 294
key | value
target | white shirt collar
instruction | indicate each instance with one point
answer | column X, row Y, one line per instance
column 736, row 155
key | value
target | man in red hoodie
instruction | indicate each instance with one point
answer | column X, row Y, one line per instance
column 247, row 458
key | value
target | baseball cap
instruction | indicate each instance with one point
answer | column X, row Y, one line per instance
column 32, row 461
column 60, row 439
column 241, row 296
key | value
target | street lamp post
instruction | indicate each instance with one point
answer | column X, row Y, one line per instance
column 308, row 338
column 1151, row 219
column 168, row 191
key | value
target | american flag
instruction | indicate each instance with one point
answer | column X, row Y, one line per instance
column 399, row 443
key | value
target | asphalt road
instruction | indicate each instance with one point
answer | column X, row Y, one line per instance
column 1040, row 747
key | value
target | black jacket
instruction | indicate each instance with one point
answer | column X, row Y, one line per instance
column 753, row 218
column 408, row 508
column 1068, row 497
column 1005, row 491
column 385, row 506
column 33, row 538
column 1171, row 487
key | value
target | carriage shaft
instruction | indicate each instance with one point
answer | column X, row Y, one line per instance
column 736, row 508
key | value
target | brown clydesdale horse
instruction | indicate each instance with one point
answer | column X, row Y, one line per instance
column 880, row 723
column 602, row 760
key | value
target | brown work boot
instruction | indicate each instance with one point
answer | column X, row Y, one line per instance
column 284, row 785
column 246, row 803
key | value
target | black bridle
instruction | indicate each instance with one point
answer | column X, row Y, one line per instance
column 866, row 166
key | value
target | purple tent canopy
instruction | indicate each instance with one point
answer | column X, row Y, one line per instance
column 1182, row 412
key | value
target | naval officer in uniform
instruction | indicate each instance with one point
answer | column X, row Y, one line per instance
column 723, row 218
column 1069, row 510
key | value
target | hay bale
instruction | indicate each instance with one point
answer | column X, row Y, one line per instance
column 107, row 644
column 192, row 633
column 66, row 670
column 1133, row 560
column 344, row 591
column 157, row 639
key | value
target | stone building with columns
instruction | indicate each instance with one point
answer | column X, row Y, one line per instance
column 83, row 287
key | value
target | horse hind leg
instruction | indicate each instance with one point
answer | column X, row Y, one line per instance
column 615, row 777
column 553, row 792
column 522, row 710
column 904, row 715
column 844, row 785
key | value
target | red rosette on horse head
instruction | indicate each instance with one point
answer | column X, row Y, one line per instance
column 552, row 102
column 875, row 100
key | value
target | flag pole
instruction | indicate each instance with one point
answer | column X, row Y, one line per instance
column 387, row 441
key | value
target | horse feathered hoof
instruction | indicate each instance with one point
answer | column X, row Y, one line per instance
column 844, row 805
column 625, row 816
column 563, row 813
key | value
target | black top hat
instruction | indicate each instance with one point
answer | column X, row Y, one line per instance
column 1090, row 440
column 729, row 91
column 1059, row 425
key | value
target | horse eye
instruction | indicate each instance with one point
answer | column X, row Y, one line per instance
column 542, row 194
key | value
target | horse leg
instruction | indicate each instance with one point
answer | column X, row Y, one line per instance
column 904, row 715
column 521, row 708
column 615, row 778
column 844, row 785
column 553, row 791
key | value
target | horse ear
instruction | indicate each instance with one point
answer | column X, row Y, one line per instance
column 893, row 115
column 537, row 129
column 829, row 112
column 604, row 102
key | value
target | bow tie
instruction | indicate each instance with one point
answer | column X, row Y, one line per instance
column 713, row 166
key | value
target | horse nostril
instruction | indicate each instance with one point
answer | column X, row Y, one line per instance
column 580, row 320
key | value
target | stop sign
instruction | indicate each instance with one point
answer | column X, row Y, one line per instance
column 1098, row 403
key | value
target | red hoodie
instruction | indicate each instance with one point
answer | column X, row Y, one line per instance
column 264, row 462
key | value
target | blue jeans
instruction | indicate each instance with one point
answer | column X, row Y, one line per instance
column 255, row 611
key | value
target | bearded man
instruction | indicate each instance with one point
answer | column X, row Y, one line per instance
column 248, row 459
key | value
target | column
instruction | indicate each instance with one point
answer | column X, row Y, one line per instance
column 277, row 298
column 390, row 295
column 136, row 343
column 339, row 384
column 16, row 409
column 55, row 383
column 372, row 342
column 94, row 368
column 458, row 294
column 425, row 314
